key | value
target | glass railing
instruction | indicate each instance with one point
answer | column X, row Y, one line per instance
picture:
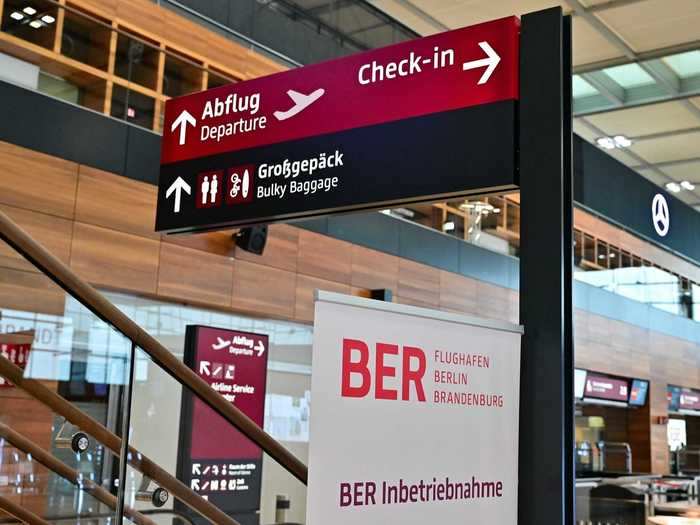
column 95, row 426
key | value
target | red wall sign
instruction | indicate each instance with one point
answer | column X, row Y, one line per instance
column 17, row 354
column 603, row 387
column 215, row 459
column 456, row 69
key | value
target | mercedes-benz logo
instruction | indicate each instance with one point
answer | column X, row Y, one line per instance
column 659, row 215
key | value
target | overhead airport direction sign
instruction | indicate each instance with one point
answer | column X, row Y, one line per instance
column 420, row 120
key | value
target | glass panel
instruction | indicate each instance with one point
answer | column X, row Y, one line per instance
column 33, row 21
column 140, row 107
column 613, row 258
column 625, row 260
column 86, row 39
column 629, row 75
column 601, row 253
column 216, row 79
column 137, row 60
column 75, row 360
column 578, row 247
column 182, row 76
column 222, row 464
column 582, row 88
column 589, row 249
column 685, row 65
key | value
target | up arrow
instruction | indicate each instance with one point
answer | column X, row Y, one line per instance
column 490, row 62
column 178, row 187
column 181, row 121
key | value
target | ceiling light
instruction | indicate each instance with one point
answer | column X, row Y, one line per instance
column 16, row 15
column 611, row 255
column 618, row 141
column 29, row 10
column 601, row 256
column 36, row 24
column 621, row 141
column 687, row 185
column 48, row 19
column 448, row 226
column 673, row 186
column 606, row 142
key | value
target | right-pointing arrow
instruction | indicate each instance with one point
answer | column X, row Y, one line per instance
column 490, row 62
column 178, row 187
column 182, row 121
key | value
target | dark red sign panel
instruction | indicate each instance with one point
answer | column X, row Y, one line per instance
column 608, row 388
column 215, row 459
column 422, row 120
column 452, row 70
column 689, row 399
column 17, row 354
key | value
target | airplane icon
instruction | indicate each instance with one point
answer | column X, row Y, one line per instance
column 301, row 102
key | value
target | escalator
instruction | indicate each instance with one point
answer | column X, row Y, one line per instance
column 90, row 410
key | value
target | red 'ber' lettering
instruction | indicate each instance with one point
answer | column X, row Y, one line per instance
column 359, row 367
column 413, row 376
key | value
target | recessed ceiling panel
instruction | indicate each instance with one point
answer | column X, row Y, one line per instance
column 645, row 120
column 655, row 23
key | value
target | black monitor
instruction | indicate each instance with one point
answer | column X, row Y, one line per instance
column 638, row 392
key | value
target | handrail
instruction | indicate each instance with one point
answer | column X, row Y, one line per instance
column 20, row 512
column 136, row 459
column 62, row 275
column 27, row 446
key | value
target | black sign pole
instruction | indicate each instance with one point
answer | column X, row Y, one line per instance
column 546, row 469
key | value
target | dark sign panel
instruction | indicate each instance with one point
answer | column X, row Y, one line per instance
column 424, row 119
column 215, row 460
column 16, row 353
column 606, row 388
column 689, row 399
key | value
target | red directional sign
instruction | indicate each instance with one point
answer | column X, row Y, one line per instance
column 251, row 133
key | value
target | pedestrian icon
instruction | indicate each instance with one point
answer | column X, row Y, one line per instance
column 209, row 189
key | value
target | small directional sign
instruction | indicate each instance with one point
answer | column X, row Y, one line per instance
column 422, row 120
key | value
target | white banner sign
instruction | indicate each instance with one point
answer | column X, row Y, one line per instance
column 414, row 416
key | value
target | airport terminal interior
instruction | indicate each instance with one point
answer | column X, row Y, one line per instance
column 111, row 408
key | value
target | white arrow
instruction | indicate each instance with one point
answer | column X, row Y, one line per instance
column 204, row 368
column 196, row 470
column 182, row 120
column 260, row 347
column 490, row 62
column 178, row 187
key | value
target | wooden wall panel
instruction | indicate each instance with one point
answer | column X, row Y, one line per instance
column 52, row 232
column 263, row 290
column 281, row 249
column 114, row 259
column 38, row 182
column 419, row 284
column 324, row 257
column 306, row 286
column 458, row 294
column 372, row 270
column 496, row 302
column 195, row 276
column 115, row 202
column 30, row 292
